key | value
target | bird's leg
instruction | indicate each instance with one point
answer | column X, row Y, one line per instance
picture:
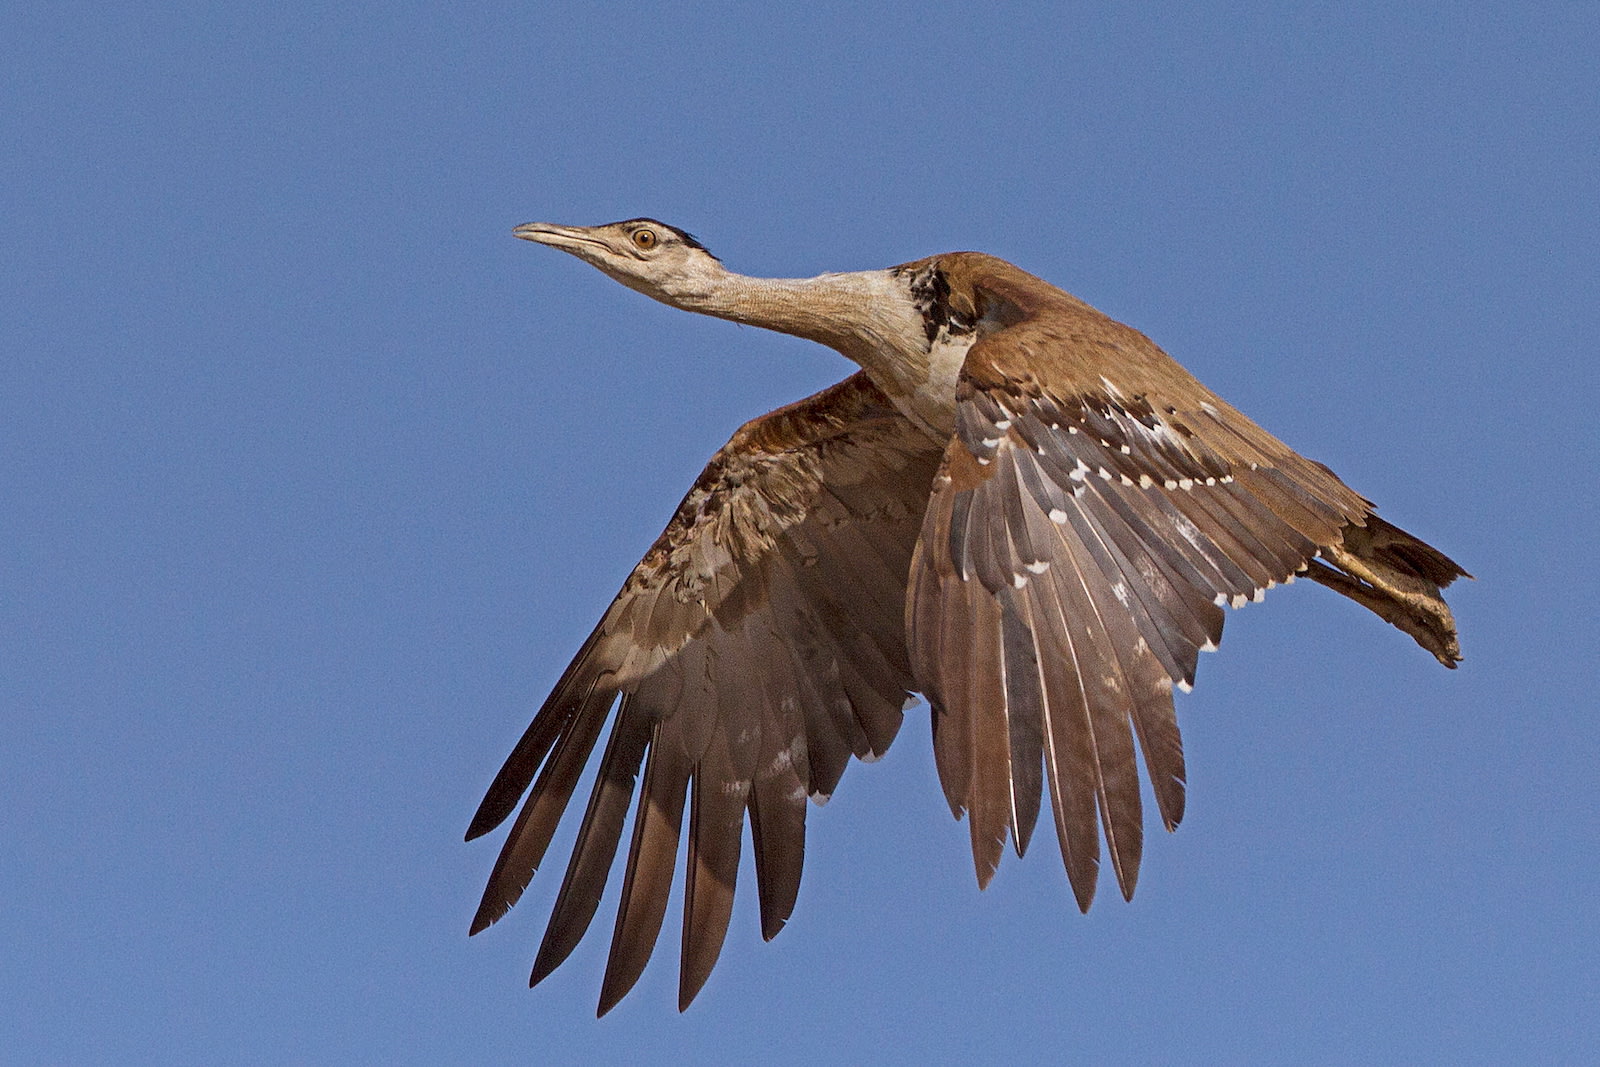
column 1411, row 603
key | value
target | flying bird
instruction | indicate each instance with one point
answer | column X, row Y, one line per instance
column 1018, row 507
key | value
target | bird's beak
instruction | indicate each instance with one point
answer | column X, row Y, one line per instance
column 566, row 238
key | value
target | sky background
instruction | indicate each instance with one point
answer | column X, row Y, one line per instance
column 312, row 479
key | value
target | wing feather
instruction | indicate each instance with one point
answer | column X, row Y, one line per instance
column 1074, row 561
column 530, row 836
column 651, row 858
column 778, row 817
column 988, row 736
column 758, row 645
column 716, row 824
column 1147, row 675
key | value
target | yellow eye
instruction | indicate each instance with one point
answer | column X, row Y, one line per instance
column 644, row 239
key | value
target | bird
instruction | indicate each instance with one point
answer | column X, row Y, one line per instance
column 1018, row 508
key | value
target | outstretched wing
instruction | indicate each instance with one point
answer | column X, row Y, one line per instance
column 1082, row 541
column 758, row 645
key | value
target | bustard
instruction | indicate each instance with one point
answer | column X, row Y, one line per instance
column 1019, row 508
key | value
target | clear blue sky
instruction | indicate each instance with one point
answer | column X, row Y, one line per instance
column 312, row 479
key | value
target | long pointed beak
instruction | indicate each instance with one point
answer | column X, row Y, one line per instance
column 567, row 238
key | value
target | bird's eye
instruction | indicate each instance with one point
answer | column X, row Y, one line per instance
column 645, row 240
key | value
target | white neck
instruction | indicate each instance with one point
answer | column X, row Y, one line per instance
column 868, row 317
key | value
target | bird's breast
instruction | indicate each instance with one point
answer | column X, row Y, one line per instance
column 931, row 402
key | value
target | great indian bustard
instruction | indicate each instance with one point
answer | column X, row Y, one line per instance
column 1019, row 508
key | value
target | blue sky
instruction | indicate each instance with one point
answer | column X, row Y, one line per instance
column 312, row 479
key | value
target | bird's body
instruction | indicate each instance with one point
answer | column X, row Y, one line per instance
column 1020, row 508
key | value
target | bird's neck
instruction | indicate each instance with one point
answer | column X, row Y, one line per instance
column 870, row 317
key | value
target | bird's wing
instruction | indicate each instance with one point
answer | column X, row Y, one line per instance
column 758, row 645
column 1094, row 512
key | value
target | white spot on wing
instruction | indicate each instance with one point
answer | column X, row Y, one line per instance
column 1058, row 516
column 1039, row 566
column 1189, row 532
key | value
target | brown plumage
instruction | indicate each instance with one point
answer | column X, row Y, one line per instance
column 1020, row 508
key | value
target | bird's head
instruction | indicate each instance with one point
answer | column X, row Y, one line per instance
column 660, row 261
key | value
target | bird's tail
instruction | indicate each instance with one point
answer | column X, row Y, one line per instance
column 1397, row 576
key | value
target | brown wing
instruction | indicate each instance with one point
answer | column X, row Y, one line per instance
column 1080, row 545
column 758, row 645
